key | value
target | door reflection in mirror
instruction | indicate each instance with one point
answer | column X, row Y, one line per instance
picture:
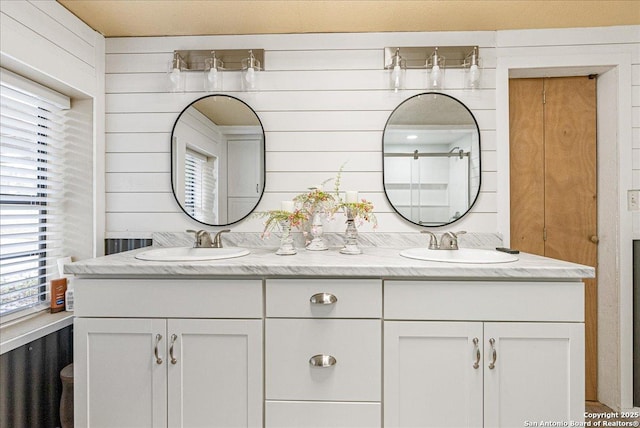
column 431, row 159
column 217, row 160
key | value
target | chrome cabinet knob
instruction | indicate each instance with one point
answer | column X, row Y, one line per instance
column 155, row 349
column 323, row 299
column 494, row 354
column 321, row 360
column 174, row 360
column 476, row 349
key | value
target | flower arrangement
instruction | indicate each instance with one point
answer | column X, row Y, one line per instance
column 296, row 218
column 316, row 200
column 360, row 211
column 307, row 209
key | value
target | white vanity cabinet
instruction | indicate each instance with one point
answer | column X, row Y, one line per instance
column 156, row 361
column 473, row 353
column 323, row 353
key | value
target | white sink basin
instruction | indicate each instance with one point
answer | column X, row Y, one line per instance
column 463, row 255
column 186, row 254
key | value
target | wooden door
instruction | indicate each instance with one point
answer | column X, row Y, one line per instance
column 553, row 181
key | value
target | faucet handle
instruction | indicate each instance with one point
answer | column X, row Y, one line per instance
column 203, row 238
column 433, row 241
column 217, row 241
column 452, row 241
column 195, row 236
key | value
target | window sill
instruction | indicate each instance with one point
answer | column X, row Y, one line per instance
column 24, row 331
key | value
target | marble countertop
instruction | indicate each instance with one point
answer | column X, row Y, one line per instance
column 375, row 262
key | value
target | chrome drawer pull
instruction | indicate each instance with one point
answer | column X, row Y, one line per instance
column 155, row 349
column 173, row 340
column 476, row 348
column 323, row 299
column 494, row 354
column 322, row 361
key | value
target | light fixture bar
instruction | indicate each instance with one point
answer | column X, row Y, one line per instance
column 231, row 58
column 416, row 57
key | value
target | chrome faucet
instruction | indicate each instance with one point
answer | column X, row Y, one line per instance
column 448, row 240
column 203, row 239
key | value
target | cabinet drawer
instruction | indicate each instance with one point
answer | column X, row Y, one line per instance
column 484, row 301
column 355, row 298
column 355, row 345
column 168, row 298
column 321, row 414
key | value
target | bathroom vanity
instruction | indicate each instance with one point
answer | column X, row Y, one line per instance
column 321, row 339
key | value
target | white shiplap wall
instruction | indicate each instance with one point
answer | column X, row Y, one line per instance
column 323, row 102
column 42, row 40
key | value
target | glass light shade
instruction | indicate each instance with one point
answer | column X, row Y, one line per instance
column 472, row 71
column 435, row 77
column 435, row 67
column 250, row 73
column 397, row 78
column 212, row 74
column 176, row 76
column 397, row 72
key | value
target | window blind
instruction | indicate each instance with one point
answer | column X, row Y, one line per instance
column 31, row 198
column 200, row 187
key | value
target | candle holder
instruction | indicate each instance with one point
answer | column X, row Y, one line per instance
column 317, row 243
column 351, row 235
column 286, row 240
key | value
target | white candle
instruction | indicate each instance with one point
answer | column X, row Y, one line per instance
column 287, row 206
column 351, row 196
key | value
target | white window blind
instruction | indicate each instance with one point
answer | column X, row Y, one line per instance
column 200, row 187
column 31, row 144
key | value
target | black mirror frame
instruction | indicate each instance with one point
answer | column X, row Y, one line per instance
column 475, row 199
column 264, row 163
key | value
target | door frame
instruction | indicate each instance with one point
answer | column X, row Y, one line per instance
column 616, row 393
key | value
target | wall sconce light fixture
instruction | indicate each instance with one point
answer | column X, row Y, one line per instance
column 435, row 69
column 397, row 70
column 472, row 70
column 213, row 64
column 433, row 59
column 176, row 74
column 213, row 73
column 250, row 69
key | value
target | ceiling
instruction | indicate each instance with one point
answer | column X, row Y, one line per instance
column 134, row 18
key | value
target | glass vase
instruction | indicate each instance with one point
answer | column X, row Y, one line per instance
column 286, row 240
column 351, row 236
column 317, row 243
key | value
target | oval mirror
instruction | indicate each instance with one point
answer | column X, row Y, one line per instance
column 431, row 159
column 217, row 160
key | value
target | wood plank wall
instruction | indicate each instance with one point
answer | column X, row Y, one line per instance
column 323, row 102
column 56, row 46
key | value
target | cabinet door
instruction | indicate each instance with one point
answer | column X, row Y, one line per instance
column 537, row 375
column 431, row 378
column 215, row 373
column 119, row 382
